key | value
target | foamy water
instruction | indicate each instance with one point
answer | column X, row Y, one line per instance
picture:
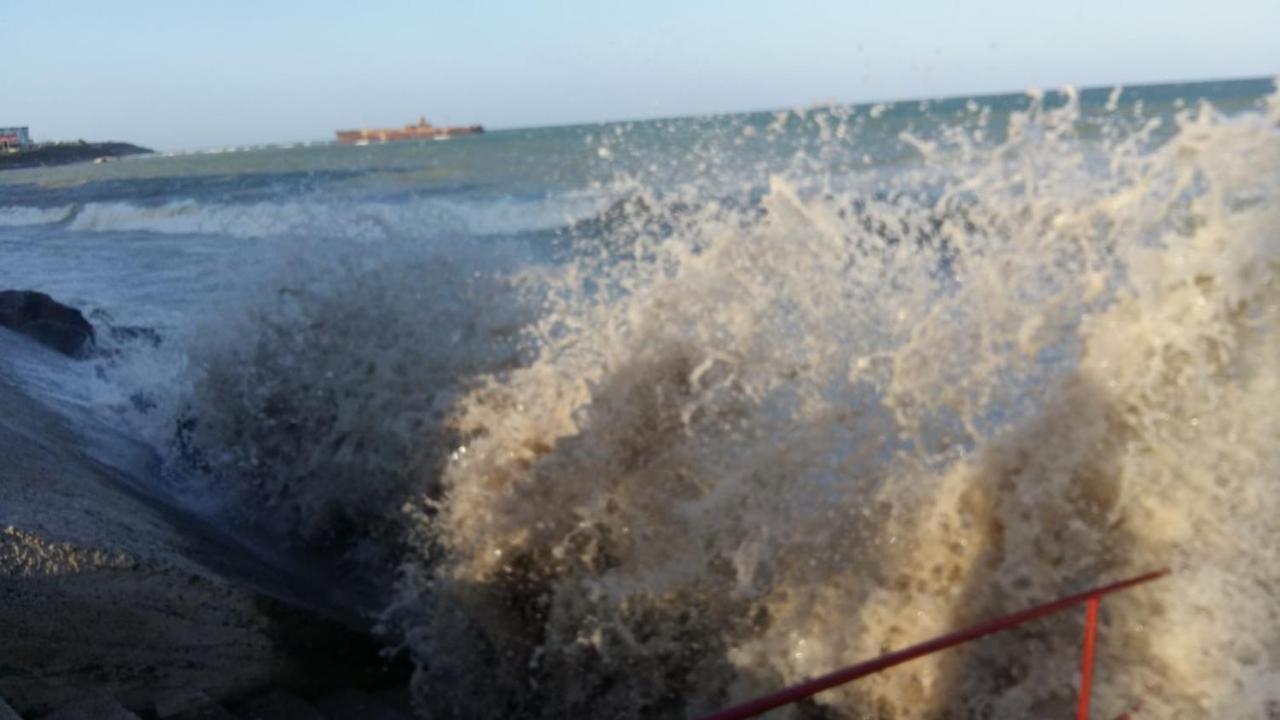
column 793, row 442
column 746, row 400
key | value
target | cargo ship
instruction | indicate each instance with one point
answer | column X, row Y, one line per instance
column 421, row 131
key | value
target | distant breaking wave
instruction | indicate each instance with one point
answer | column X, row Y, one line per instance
column 503, row 216
column 20, row 216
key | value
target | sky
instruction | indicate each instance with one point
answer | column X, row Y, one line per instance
column 181, row 74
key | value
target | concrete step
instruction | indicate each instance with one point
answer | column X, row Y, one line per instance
column 93, row 705
column 355, row 705
column 6, row 712
column 278, row 706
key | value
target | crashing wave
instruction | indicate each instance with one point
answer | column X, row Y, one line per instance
column 319, row 407
column 787, row 444
column 744, row 435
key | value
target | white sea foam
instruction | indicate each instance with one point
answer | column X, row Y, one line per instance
column 500, row 216
column 19, row 215
column 790, row 444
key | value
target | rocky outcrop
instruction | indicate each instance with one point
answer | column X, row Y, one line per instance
column 93, row 706
column 46, row 320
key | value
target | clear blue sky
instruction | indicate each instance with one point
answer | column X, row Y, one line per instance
column 188, row 74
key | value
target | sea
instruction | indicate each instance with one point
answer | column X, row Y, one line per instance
column 642, row 419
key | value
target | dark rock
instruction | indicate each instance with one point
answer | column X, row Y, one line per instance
column 355, row 704
column 212, row 711
column 94, row 705
column 190, row 705
column 174, row 703
column 280, row 706
column 6, row 712
column 47, row 321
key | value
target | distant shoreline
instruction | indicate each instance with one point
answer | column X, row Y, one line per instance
column 68, row 153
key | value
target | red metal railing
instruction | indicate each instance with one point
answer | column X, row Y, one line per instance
column 812, row 687
column 1086, row 662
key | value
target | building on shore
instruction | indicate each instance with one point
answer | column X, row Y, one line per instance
column 13, row 139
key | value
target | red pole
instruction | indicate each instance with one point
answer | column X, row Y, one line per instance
column 812, row 687
column 1086, row 665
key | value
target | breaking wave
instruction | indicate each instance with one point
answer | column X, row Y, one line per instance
column 20, row 216
column 317, row 405
column 766, row 435
column 327, row 217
